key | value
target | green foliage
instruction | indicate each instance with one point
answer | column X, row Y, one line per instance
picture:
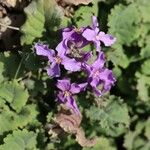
column 110, row 121
column 10, row 120
column 41, row 14
column 129, row 31
column 136, row 139
column 117, row 56
column 1, row 71
column 102, row 144
column 34, row 26
column 122, row 25
column 15, row 94
column 7, row 62
column 145, row 68
column 82, row 15
column 143, row 87
column 20, row 140
column 27, row 95
column 145, row 53
column 54, row 15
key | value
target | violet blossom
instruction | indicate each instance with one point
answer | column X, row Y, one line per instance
column 73, row 39
column 55, row 60
column 100, row 78
column 96, row 36
column 69, row 89
column 74, row 42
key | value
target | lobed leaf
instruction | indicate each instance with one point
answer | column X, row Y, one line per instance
column 135, row 139
column 10, row 120
column 20, row 140
column 34, row 25
column 111, row 122
column 15, row 94
column 143, row 86
column 83, row 15
column 102, row 144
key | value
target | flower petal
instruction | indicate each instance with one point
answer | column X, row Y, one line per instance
column 107, row 77
column 77, row 88
column 67, row 32
column 43, row 50
column 61, row 97
column 107, row 39
column 94, row 82
column 97, row 91
column 71, row 103
column 87, row 56
column 53, row 70
column 100, row 61
column 89, row 34
column 97, row 45
column 94, row 22
column 61, row 48
column 71, row 64
column 64, row 84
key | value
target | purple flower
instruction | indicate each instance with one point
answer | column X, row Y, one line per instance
column 74, row 42
column 67, row 32
column 96, row 36
column 73, row 39
column 100, row 78
column 67, row 92
column 57, row 59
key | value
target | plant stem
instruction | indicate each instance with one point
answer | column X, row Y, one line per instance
column 10, row 27
column 19, row 66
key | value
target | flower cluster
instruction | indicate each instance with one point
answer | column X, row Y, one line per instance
column 71, row 55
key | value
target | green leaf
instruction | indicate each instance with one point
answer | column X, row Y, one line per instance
column 9, row 120
column 15, row 94
column 147, row 129
column 54, row 15
column 135, row 139
column 34, row 25
column 10, row 63
column 145, row 51
column 143, row 86
column 20, row 140
column 83, row 15
column 117, row 72
column 131, row 136
column 118, row 57
column 31, row 61
column 122, row 25
column 1, row 72
column 112, row 122
column 144, row 8
column 26, row 116
column 102, row 144
column 145, row 68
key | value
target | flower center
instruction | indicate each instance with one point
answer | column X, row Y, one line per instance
column 78, row 30
column 67, row 93
column 97, row 37
column 57, row 59
column 100, row 86
column 96, row 74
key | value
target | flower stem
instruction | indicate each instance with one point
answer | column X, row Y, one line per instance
column 17, row 71
column 10, row 27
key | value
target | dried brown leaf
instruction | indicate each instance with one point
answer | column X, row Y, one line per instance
column 9, row 3
column 70, row 123
column 2, row 12
column 5, row 21
column 82, row 140
column 74, row 2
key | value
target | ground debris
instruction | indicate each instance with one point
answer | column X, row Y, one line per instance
column 69, row 122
